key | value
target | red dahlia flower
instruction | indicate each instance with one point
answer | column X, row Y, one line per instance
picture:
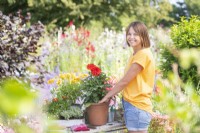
column 96, row 71
column 91, row 66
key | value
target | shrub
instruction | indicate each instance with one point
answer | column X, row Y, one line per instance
column 178, row 99
column 184, row 35
column 18, row 44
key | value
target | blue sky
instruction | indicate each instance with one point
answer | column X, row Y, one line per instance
column 174, row 1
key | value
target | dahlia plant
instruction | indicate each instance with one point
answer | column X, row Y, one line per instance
column 94, row 86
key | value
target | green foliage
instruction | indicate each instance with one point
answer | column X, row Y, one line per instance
column 55, row 107
column 111, row 13
column 193, row 7
column 186, row 34
column 62, row 106
column 16, row 98
column 167, row 60
column 178, row 99
column 179, row 10
column 18, row 44
column 69, row 91
column 73, row 113
column 152, row 15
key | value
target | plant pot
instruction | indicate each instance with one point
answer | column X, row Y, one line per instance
column 97, row 114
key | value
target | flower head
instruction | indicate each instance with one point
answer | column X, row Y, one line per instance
column 90, row 66
column 96, row 71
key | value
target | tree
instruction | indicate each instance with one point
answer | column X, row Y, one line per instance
column 179, row 10
column 111, row 13
column 193, row 7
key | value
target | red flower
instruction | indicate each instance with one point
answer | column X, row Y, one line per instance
column 70, row 23
column 90, row 66
column 112, row 81
column 96, row 71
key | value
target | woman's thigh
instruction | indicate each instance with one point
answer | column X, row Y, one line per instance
column 135, row 118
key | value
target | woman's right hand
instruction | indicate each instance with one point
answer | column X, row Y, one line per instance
column 104, row 99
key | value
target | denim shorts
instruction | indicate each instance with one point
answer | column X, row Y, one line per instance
column 135, row 118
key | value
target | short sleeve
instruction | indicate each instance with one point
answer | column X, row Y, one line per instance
column 140, row 58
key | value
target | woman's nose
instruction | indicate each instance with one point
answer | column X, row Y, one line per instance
column 132, row 36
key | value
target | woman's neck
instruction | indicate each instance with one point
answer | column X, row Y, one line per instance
column 135, row 50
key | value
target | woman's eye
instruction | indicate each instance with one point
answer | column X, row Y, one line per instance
column 134, row 34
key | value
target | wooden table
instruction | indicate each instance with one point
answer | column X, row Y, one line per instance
column 111, row 127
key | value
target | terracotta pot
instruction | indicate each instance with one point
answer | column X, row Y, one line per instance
column 97, row 114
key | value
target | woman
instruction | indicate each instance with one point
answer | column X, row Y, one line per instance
column 138, row 81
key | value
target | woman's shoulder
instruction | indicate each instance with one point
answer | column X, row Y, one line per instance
column 144, row 51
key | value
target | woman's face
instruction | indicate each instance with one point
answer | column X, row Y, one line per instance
column 133, row 38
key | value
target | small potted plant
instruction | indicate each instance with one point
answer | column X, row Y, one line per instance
column 94, row 89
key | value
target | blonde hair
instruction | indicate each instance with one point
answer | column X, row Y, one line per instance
column 142, row 31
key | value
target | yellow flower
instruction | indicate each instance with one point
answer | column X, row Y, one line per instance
column 62, row 76
column 78, row 79
column 67, row 75
column 82, row 76
column 73, row 76
column 74, row 81
column 50, row 81
column 59, row 82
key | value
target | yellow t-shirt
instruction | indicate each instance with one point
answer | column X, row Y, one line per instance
column 138, row 91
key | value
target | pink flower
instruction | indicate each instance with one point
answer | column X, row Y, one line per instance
column 157, row 90
column 90, row 47
column 108, row 89
column 112, row 81
column 63, row 36
column 70, row 23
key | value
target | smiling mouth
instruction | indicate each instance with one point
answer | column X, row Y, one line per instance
column 132, row 41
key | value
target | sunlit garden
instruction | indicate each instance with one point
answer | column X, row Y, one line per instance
column 59, row 57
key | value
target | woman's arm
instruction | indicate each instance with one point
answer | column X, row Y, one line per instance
column 131, row 73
